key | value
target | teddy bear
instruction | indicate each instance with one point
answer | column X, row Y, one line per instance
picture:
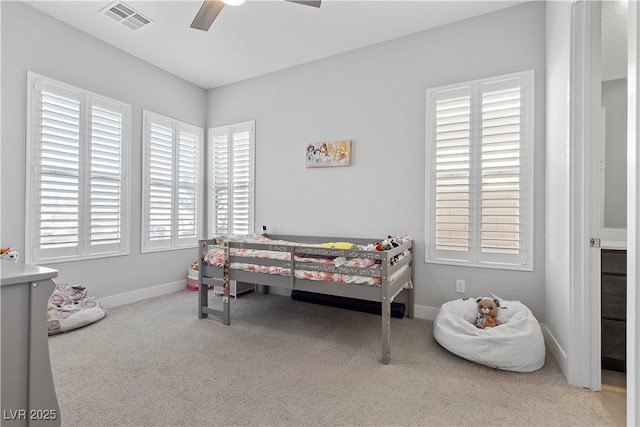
column 487, row 313
column 9, row 254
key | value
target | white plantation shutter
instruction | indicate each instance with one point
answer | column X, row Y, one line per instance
column 479, row 154
column 160, row 181
column 452, row 170
column 106, row 183
column 501, row 138
column 241, row 182
column 59, row 174
column 188, row 184
column 219, row 183
column 78, row 146
column 171, row 184
column 231, row 178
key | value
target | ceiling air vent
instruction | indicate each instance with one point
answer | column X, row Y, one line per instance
column 126, row 15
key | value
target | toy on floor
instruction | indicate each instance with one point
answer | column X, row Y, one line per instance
column 9, row 253
column 487, row 313
column 193, row 274
column 71, row 307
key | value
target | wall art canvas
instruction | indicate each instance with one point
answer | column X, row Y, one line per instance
column 326, row 154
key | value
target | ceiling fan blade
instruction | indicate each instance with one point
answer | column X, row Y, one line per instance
column 314, row 3
column 207, row 14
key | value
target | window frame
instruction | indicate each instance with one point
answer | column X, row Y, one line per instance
column 230, row 130
column 475, row 257
column 84, row 250
column 174, row 241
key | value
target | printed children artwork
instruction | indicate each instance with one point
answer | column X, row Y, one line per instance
column 325, row 154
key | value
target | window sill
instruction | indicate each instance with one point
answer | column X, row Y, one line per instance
column 488, row 265
column 166, row 248
column 47, row 261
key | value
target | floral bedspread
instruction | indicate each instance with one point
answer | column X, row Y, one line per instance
column 216, row 256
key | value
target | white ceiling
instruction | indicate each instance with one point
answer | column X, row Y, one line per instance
column 260, row 36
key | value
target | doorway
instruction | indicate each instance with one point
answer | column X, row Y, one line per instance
column 586, row 286
column 611, row 215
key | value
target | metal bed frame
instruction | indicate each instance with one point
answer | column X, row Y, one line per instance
column 385, row 293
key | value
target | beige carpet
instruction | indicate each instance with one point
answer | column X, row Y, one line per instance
column 284, row 362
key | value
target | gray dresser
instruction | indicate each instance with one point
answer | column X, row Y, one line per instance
column 28, row 396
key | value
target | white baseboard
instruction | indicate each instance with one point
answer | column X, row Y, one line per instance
column 425, row 312
column 141, row 294
column 555, row 349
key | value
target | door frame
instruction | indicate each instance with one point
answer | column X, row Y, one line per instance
column 633, row 216
column 585, row 115
column 584, row 329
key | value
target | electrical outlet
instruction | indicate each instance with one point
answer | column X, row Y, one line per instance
column 460, row 286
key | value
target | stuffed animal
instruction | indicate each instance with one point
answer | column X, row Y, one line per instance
column 9, row 253
column 487, row 313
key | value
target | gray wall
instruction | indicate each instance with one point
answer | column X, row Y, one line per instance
column 614, row 99
column 36, row 42
column 375, row 96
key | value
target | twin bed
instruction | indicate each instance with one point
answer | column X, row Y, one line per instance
column 358, row 268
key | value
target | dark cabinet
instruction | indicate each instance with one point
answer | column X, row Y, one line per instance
column 614, row 309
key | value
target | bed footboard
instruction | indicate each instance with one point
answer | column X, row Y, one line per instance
column 210, row 275
column 391, row 288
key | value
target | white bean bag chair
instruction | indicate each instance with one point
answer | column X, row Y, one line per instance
column 515, row 345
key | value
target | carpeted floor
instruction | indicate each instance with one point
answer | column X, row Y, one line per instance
column 284, row 362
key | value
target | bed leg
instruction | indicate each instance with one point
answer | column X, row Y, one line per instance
column 411, row 302
column 203, row 298
column 226, row 314
column 386, row 331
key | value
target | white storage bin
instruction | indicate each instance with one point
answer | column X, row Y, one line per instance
column 235, row 288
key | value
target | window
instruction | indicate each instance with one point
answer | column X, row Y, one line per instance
column 77, row 191
column 479, row 173
column 171, row 190
column 231, row 162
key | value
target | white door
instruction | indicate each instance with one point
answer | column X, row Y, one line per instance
column 633, row 228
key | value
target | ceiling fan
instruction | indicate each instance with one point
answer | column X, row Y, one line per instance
column 211, row 8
